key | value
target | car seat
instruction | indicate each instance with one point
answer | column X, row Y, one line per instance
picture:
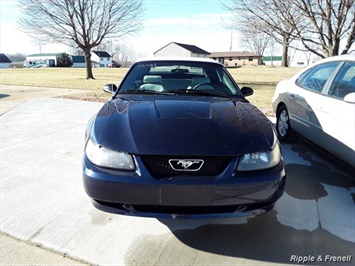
column 152, row 83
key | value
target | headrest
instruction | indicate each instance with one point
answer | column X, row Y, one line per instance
column 152, row 79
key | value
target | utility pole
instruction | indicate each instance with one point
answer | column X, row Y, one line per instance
column 230, row 48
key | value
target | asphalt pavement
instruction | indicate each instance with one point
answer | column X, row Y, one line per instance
column 47, row 219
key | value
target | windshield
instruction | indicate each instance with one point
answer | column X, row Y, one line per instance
column 179, row 77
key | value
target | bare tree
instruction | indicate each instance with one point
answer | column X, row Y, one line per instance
column 126, row 54
column 320, row 25
column 325, row 24
column 81, row 23
column 255, row 40
column 18, row 57
column 271, row 17
column 308, row 56
column 272, row 51
column 76, row 51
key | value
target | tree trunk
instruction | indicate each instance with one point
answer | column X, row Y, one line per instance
column 284, row 62
column 350, row 40
column 89, row 74
column 336, row 47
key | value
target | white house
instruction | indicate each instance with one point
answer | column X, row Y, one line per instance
column 78, row 61
column 298, row 60
column 5, row 62
column 302, row 60
column 236, row 58
column 272, row 60
column 180, row 49
column 51, row 59
column 100, row 59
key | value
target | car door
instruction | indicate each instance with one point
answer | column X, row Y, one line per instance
column 337, row 116
column 305, row 104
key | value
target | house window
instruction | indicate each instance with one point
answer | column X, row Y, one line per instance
column 230, row 58
column 239, row 58
column 250, row 58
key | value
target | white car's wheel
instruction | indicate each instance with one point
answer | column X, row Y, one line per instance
column 283, row 126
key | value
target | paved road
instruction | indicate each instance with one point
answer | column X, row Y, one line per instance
column 43, row 204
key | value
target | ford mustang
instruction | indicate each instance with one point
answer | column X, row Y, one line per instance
column 178, row 139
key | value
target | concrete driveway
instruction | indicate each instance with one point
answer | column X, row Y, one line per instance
column 43, row 204
column 11, row 96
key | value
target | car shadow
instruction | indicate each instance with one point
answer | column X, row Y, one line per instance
column 315, row 217
column 4, row 95
column 262, row 238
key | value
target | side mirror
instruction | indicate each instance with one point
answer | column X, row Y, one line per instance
column 110, row 88
column 350, row 97
column 247, row 91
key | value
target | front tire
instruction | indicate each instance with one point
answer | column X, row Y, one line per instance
column 283, row 126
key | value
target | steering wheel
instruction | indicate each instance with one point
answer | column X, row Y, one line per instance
column 201, row 84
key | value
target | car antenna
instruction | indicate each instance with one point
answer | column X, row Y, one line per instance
column 111, row 61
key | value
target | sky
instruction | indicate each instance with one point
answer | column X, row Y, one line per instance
column 196, row 22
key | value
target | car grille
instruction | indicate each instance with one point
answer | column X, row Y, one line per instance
column 159, row 167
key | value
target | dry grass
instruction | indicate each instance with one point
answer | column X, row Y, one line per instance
column 72, row 78
column 262, row 97
column 262, row 74
column 261, row 78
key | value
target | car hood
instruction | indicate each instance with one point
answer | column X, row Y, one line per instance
column 182, row 126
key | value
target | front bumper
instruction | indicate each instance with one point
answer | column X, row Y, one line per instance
column 226, row 195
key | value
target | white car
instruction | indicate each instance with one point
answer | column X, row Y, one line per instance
column 318, row 103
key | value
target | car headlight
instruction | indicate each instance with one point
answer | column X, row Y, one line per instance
column 104, row 157
column 260, row 160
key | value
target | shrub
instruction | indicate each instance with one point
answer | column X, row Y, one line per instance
column 64, row 61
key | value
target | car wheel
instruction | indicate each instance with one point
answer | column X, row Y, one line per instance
column 283, row 126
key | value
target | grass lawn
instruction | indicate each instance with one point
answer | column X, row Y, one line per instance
column 261, row 78
column 68, row 78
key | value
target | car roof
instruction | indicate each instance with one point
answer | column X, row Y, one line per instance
column 178, row 58
column 343, row 57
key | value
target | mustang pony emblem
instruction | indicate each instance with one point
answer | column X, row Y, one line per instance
column 186, row 165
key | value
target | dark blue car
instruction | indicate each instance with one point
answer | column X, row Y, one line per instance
column 178, row 139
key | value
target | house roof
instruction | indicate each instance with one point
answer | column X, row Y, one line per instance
column 192, row 48
column 48, row 54
column 78, row 58
column 4, row 59
column 102, row 53
column 177, row 58
column 234, row 54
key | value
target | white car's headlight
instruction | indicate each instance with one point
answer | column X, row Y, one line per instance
column 260, row 160
column 104, row 157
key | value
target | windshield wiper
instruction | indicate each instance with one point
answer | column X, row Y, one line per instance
column 200, row 92
column 137, row 91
